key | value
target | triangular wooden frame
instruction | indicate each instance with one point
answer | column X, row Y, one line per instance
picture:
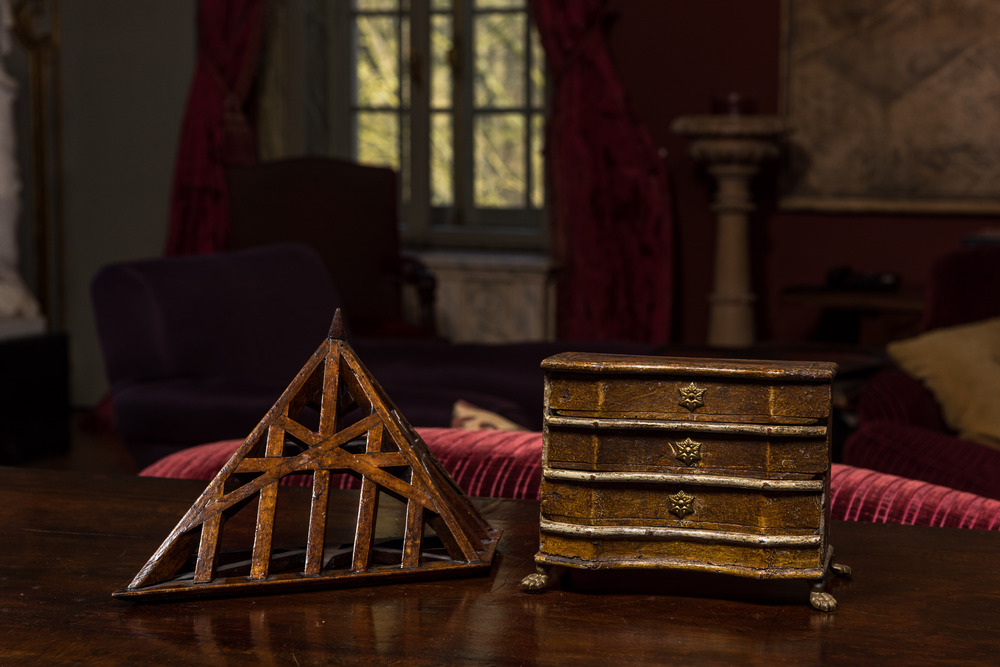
column 394, row 460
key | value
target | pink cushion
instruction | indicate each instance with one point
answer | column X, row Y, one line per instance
column 859, row 494
column 487, row 463
column 507, row 464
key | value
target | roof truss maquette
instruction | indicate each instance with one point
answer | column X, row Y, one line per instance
column 442, row 532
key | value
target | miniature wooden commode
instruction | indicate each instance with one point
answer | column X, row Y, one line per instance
column 695, row 464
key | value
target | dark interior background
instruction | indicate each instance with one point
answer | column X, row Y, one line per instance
column 674, row 57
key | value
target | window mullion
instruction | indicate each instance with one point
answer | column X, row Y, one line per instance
column 341, row 81
column 417, row 213
column 464, row 209
column 529, row 171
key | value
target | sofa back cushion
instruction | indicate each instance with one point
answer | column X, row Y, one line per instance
column 962, row 288
column 255, row 314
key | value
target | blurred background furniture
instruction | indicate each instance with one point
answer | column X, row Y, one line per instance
column 34, row 397
column 901, row 428
column 349, row 214
column 963, row 286
column 868, row 318
column 733, row 147
column 198, row 349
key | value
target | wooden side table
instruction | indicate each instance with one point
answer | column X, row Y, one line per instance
column 876, row 317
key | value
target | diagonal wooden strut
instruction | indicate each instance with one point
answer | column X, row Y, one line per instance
column 379, row 447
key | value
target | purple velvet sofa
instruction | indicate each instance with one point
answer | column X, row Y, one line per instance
column 197, row 349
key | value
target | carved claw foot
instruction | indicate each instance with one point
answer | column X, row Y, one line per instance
column 536, row 581
column 841, row 570
column 822, row 601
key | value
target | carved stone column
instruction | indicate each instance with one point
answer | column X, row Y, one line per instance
column 732, row 147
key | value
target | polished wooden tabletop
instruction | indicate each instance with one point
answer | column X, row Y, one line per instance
column 918, row 595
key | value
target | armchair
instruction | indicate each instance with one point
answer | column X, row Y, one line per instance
column 902, row 426
column 348, row 213
column 199, row 348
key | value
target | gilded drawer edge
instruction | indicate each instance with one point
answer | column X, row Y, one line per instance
column 806, row 485
column 605, row 423
column 684, row 564
column 623, row 364
column 686, row 534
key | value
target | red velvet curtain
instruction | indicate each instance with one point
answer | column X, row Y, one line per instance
column 609, row 196
column 216, row 132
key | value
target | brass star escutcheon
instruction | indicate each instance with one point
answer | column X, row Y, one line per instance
column 692, row 397
column 680, row 504
column 688, row 451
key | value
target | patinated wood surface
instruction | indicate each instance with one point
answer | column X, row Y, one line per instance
column 919, row 595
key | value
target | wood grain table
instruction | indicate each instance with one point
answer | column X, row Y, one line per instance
column 918, row 595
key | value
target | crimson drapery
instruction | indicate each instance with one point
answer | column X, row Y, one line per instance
column 216, row 132
column 609, row 197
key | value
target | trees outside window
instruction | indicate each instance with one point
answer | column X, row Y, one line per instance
column 451, row 93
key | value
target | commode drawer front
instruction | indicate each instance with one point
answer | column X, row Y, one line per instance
column 745, row 506
column 683, row 398
column 763, row 392
column 789, row 557
column 690, row 447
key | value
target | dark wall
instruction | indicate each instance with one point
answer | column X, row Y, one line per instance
column 126, row 69
column 673, row 58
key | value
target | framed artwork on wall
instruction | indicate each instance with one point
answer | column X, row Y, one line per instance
column 893, row 106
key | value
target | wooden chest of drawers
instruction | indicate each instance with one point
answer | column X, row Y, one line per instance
column 699, row 464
